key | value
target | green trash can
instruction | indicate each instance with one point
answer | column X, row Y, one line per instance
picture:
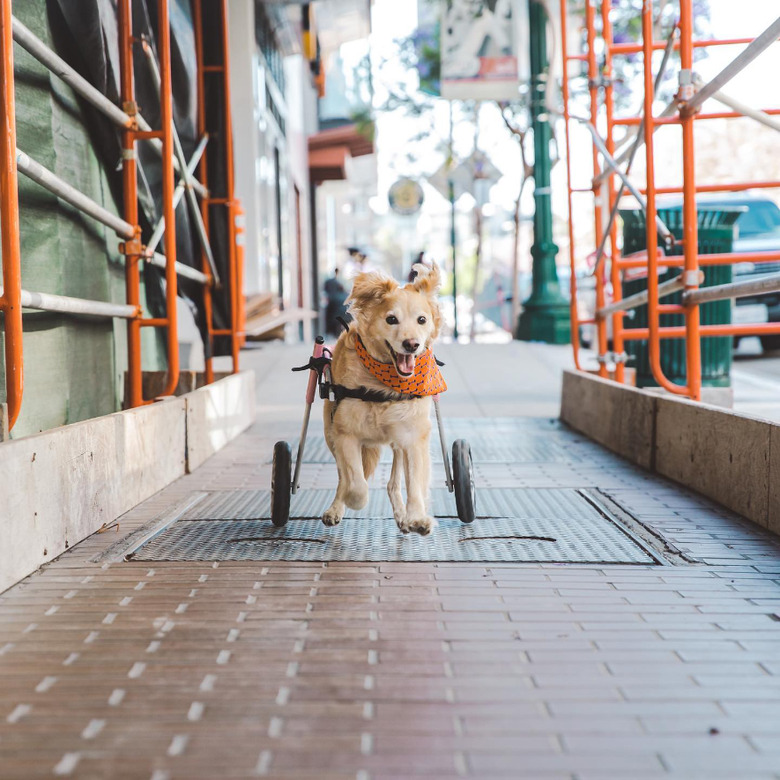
column 716, row 234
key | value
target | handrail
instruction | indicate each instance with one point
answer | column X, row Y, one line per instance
column 721, row 292
column 639, row 299
column 50, row 181
column 738, row 64
column 48, row 58
column 65, row 304
column 158, row 261
column 56, row 65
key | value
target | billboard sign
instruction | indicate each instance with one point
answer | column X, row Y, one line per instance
column 478, row 50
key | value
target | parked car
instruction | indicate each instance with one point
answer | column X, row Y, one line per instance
column 756, row 230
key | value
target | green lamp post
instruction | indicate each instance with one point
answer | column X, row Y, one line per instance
column 545, row 315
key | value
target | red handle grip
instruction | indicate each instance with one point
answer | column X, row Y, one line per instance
column 319, row 345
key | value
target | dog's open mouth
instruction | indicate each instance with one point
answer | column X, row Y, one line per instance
column 404, row 363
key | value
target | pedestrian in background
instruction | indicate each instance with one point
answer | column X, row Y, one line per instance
column 335, row 295
column 419, row 259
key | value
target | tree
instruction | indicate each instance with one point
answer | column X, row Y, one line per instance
column 626, row 18
column 418, row 96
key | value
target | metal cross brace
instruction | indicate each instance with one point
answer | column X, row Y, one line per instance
column 632, row 153
column 611, row 162
column 192, row 201
column 738, row 64
column 159, row 228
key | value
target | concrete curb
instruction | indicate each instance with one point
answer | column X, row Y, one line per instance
column 62, row 485
column 216, row 414
column 721, row 454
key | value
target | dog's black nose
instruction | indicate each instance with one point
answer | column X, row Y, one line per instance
column 410, row 346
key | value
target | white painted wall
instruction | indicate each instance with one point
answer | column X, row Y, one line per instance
column 244, row 100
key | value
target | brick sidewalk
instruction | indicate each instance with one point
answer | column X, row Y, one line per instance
column 390, row 670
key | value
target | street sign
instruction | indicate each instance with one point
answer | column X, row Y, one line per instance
column 406, row 196
column 475, row 175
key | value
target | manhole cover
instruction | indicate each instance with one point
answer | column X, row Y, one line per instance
column 543, row 526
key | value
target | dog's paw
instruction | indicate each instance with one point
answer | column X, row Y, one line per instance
column 419, row 525
column 331, row 517
column 400, row 518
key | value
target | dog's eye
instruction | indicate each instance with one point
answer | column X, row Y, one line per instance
column 392, row 320
column 422, row 320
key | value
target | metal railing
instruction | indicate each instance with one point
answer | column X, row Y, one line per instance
column 684, row 110
column 134, row 129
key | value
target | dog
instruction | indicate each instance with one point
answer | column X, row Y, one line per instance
column 386, row 351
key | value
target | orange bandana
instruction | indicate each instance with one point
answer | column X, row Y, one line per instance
column 426, row 379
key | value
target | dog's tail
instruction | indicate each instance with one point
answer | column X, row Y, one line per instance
column 371, row 457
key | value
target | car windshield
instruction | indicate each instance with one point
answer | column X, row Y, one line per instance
column 761, row 217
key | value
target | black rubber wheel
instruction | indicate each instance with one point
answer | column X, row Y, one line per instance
column 281, row 482
column 463, row 479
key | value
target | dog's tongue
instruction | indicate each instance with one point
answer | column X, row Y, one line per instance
column 405, row 363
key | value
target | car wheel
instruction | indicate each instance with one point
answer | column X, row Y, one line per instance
column 770, row 343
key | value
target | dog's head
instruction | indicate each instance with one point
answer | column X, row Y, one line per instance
column 397, row 323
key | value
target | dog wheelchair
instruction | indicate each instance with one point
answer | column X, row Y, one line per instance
column 285, row 482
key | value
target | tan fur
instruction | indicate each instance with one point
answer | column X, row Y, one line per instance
column 370, row 457
column 358, row 429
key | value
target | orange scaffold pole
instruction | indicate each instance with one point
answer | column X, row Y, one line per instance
column 653, row 314
column 11, row 298
column 166, row 120
column 575, row 330
column 615, row 276
column 601, row 325
column 234, row 274
column 690, row 216
column 197, row 14
column 133, row 248
column 130, row 196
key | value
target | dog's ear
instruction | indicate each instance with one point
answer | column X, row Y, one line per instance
column 369, row 288
column 428, row 279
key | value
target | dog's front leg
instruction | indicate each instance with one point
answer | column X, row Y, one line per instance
column 352, row 490
column 417, row 465
column 394, row 487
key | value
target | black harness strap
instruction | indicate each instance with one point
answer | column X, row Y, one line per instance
column 361, row 393
column 337, row 393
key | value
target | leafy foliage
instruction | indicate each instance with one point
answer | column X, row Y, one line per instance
column 626, row 18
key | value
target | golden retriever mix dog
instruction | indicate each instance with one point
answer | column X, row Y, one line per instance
column 386, row 350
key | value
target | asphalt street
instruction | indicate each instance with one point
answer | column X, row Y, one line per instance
column 755, row 376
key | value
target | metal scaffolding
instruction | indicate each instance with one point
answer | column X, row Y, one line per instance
column 134, row 129
column 684, row 110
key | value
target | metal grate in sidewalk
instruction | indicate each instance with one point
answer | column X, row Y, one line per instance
column 550, row 526
column 492, row 447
